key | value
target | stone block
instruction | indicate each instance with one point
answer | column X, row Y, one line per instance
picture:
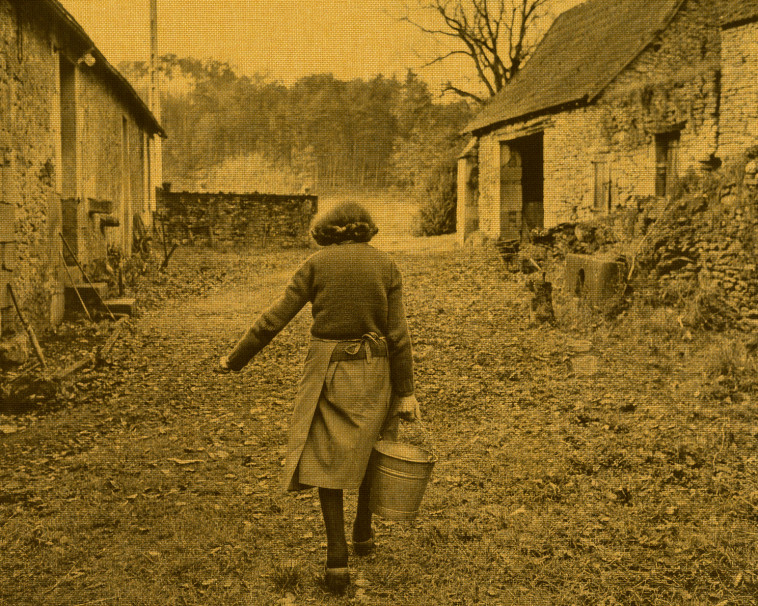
column 88, row 293
column 598, row 280
column 14, row 351
column 122, row 305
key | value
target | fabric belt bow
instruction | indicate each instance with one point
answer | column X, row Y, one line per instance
column 365, row 340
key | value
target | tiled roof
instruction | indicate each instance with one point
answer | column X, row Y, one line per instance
column 582, row 52
column 737, row 11
column 119, row 83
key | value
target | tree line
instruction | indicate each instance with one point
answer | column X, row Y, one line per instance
column 229, row 131
column 324, row 131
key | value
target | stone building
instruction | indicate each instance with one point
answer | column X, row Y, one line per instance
column 75, row 154
column 619, row 100
column 739, row 67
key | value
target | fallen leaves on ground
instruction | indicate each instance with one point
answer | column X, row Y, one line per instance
column 157, row 482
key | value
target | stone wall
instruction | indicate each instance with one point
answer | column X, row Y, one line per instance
column 672, row 86
column 109, row 170
column 31, row 161
column 739, row 106
column 571, row 145
column 697, row 252
column 254, row 219
column 704, row 250
column 27, row 88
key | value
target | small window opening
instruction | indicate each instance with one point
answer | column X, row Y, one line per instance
column 579, row 287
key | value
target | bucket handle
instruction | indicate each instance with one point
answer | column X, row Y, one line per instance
column 427, row 434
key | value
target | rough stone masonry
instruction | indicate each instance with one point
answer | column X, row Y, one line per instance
column 254, row 219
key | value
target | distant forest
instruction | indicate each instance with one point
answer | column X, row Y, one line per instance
column 233, row 132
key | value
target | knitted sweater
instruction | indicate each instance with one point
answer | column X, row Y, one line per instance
column 354, row 289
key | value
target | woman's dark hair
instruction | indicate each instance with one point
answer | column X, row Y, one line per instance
column 346, row 221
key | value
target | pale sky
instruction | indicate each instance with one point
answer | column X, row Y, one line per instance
column 284, row 39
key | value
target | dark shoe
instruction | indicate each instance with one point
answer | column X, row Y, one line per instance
column 337, row 580
column 364, row 548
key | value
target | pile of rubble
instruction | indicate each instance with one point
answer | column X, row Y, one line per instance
column 704, row 249
column 582, row 238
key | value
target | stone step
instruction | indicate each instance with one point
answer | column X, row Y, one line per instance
column 89, row 293
column 122, row 305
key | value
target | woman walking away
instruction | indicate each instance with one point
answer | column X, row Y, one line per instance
column 358, row 375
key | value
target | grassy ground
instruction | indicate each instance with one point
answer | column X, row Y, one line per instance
column 156, row 482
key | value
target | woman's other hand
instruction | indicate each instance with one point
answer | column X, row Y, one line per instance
column 408, row 408
column 223, row 365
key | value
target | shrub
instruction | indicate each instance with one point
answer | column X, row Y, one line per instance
column 730, row 368
column 437, row 199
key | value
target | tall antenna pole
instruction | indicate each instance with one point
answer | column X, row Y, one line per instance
column 155, row 99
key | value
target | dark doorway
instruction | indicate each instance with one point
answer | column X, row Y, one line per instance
column 68, row 128
column 521, row 186
column 533, row 181
column 69, row 160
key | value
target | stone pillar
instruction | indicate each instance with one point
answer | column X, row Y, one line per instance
column 467, row 218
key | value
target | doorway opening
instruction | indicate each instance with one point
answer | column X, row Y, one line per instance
column 521, row 186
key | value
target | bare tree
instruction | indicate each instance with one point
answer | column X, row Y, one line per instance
column 497, row 35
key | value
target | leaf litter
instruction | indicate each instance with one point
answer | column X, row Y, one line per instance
column 626, row 485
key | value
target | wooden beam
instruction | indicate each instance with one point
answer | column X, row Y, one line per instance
column 28, row 328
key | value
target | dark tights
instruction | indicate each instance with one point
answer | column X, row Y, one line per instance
column 334, row 522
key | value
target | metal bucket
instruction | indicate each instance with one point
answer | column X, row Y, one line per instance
column 399, row 475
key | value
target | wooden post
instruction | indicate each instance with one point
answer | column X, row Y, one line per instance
column 541, row 306
column 28, row 328
column 155, row 97
column 78, row 294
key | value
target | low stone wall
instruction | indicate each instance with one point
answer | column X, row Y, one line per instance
column 706, row 245
column 254, row 219
column 701, row 248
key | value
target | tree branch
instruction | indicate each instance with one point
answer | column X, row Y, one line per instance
column 497, row 35
column 427, row 30
column 446, row 56
column 448, row 87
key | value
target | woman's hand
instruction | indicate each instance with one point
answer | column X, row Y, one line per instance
column 223, row 365
column 408, row 408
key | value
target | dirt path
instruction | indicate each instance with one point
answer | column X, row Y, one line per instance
column 157, row 483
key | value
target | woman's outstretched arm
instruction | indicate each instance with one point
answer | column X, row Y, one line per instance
column 273, row 320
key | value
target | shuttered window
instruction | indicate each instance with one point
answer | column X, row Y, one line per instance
column 603, row 194
column 666, row 162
